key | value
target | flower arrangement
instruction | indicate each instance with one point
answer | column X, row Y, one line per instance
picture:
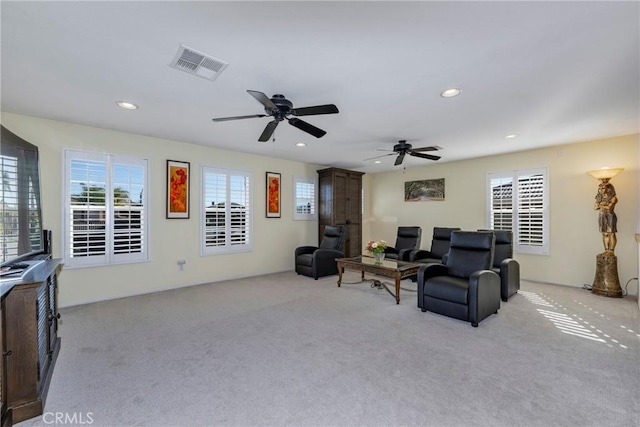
column 376, row 247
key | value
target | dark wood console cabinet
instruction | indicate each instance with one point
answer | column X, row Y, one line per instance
column 29, row 342
column 340, row 203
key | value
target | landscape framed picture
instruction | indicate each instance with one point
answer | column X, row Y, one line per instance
column 425, row 190
column 178, row 181
column 274, row 192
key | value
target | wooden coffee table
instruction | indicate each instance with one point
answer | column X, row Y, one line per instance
column 397, row 270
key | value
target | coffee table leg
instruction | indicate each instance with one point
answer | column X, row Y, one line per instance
column 397, row 290
column 340, row 270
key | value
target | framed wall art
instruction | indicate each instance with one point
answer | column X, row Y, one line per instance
column 178, row 177
column 274, row 192
column 424, row 191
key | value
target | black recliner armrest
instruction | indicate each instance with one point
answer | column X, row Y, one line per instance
column 509, row 277
column 324, row 262
column 426, row 272
column 484, row 292
column 419, row 254
column 405, row 254
column 390, row 250
column 301, row 250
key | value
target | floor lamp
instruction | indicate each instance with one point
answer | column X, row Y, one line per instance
column 606, row 281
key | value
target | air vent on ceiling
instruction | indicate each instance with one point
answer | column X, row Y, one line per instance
column 193, row 62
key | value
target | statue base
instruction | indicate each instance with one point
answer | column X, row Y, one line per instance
column 606, row 282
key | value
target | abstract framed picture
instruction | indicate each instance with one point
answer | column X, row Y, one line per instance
column 274, row 191
column 178, row 177
column 424, row 191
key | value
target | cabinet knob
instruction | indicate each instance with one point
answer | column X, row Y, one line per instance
column 53, row 316
column 7, row 353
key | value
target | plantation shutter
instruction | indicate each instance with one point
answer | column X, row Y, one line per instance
column 105, row 208
column 501, row 203
column 239, row 210
column 531, row 209
column 128, row 207
column 86, row 208
column 304, row 199
column 517, row 201
column 226, row 213
column 9, row 207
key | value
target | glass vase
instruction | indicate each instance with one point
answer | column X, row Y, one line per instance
column 379, row 257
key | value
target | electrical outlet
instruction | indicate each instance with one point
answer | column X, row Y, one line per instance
column 181, row 264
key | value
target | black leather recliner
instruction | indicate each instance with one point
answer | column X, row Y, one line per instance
column 439, row 247
column 504, row 264
column 319, row 261
column 464, row 288
column 407, row 240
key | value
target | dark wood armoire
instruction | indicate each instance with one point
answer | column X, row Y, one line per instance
column 340, row 203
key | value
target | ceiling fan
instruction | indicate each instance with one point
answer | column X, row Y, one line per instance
column 281, row 108
column 402, row 148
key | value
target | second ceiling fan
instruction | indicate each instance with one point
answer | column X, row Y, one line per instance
column 402, row 148
column 280, row 109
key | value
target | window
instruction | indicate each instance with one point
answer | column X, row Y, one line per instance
column 226, row 211
column 304, row 199
column 517, row 201
column 105, row 218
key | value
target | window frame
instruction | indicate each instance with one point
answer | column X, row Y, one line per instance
column 518, row 215
column 110, row 257
column 313, row 215
column 227, row 248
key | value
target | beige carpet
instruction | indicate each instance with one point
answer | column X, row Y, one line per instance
column 284, row 349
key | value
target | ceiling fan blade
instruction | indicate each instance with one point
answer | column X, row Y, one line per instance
column 263, row 99
column 426, row 149
column 224, row 119
column 424, row 156
column 268, row 131
column 399, row 159
column 377, row 157
column 306, row 127
column 318, row 109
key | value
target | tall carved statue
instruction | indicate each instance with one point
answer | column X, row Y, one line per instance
column 605, row 203
column 606, row 281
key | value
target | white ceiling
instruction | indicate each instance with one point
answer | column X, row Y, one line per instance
column 552, row 72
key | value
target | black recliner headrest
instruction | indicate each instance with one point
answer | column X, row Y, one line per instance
column 443, row 233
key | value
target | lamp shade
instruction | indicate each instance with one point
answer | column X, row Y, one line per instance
column 605, row 173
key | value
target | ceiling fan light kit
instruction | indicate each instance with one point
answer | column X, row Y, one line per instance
column 280, row 108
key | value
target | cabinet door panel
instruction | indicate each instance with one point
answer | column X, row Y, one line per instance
column 340, row 214
column 21, row 340
column 355, row 240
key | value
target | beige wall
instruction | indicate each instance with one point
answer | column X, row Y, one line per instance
column 170, row 240
column 575, row 239
column 574, row 236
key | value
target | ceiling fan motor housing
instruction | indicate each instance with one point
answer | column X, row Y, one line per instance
column 401, row 146
column 284, row 107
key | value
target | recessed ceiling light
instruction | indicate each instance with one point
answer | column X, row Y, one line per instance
column 127, row 105
column 513, row 135
column 450, row 93
column 301, row 144
column 378, row 162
